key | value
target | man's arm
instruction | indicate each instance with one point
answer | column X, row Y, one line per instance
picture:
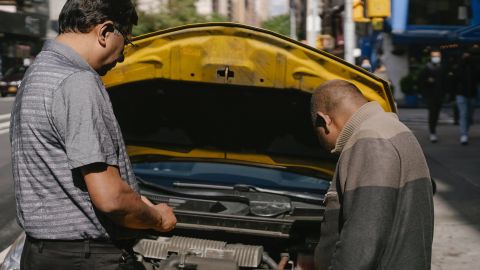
column 369, row 200
column 114, row 197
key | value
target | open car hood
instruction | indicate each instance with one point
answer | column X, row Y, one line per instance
column 226, row 91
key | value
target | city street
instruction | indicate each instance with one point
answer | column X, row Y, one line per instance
column 9, row 229
column 456, row 171
column 455, row 168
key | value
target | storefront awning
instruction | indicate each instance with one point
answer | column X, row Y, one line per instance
column 406, row 31
column 469, row 34
column 439, row 35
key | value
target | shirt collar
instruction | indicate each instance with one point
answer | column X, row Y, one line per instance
column 362, row 114
column 70, row 54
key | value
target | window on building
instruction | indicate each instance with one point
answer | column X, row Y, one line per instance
column 439, row 12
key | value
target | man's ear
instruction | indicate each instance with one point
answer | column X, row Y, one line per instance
column 323, row 120
column 102, row 31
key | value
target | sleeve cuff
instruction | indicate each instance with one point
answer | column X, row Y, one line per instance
column 110, row 159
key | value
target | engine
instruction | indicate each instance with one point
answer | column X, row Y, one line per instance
column 189, row 253
column 236, row 229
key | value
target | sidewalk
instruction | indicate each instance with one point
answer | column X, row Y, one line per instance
column 456, row 169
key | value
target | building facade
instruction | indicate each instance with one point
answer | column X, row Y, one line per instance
column 150, row 5
column 55, row 7
column 252, row 12
column 23, row 28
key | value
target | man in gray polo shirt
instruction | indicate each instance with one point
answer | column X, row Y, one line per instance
column 75, row 190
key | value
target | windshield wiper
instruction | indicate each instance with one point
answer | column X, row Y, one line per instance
column 250, row 188
column 195, row 193
column 260, row 204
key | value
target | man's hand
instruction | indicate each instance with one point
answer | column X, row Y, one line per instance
column 166, row 216
column 147, row 201
column 168, row 219
column 114, row 197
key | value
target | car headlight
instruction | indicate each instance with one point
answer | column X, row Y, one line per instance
column 12, row 260
column 2, row 83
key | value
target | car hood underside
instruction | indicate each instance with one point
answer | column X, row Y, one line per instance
column 230, row 92
column 223, row 123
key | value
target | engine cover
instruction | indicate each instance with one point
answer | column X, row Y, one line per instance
column 163, row 247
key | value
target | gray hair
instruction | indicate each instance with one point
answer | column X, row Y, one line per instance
column 331, row 96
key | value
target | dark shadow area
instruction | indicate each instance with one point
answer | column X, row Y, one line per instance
column 461, row 194
column 181, row 116
column 455, row 168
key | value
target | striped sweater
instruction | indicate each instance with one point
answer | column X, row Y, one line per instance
column 379, row 209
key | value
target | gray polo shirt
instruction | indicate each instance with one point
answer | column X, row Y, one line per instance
column 62, row 120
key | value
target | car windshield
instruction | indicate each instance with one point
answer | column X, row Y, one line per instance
column 209, row 173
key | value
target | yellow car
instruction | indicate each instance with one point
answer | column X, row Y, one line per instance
column 216, row 121
column 217, row 124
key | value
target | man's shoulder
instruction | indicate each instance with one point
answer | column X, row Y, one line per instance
column 51, row 67
column 59, row 77
column 387, row 129
column 382, row 125
column 82, row 77
column 80, row 86
column 49, row 58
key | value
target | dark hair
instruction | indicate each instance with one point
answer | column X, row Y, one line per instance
column 82, row 15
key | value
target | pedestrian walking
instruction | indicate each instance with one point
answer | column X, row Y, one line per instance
column 365, row 64
column 381, row 72
column 433, row 81
column 76, row 195
column 466, row 92
column 379, row 209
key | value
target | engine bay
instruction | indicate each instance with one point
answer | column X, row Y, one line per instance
column 238, row 228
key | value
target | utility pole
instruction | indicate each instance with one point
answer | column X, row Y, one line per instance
column 293, row 20
column 313, row 22
column 349, row 32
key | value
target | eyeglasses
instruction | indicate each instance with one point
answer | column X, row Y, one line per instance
column 126, row 41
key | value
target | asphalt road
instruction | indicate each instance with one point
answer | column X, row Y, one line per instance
column 456, row 168
column 6, row 104
column 9, row 229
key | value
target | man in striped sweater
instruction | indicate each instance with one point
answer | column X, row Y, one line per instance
column 379, row 209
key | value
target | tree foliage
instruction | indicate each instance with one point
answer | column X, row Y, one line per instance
column 279, row 24
column 176, row 13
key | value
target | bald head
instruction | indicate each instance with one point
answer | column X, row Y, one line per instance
column 332, row 105
column 336, row 97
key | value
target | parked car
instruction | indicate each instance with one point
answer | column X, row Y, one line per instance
column 10, row 82
column 216, row 121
